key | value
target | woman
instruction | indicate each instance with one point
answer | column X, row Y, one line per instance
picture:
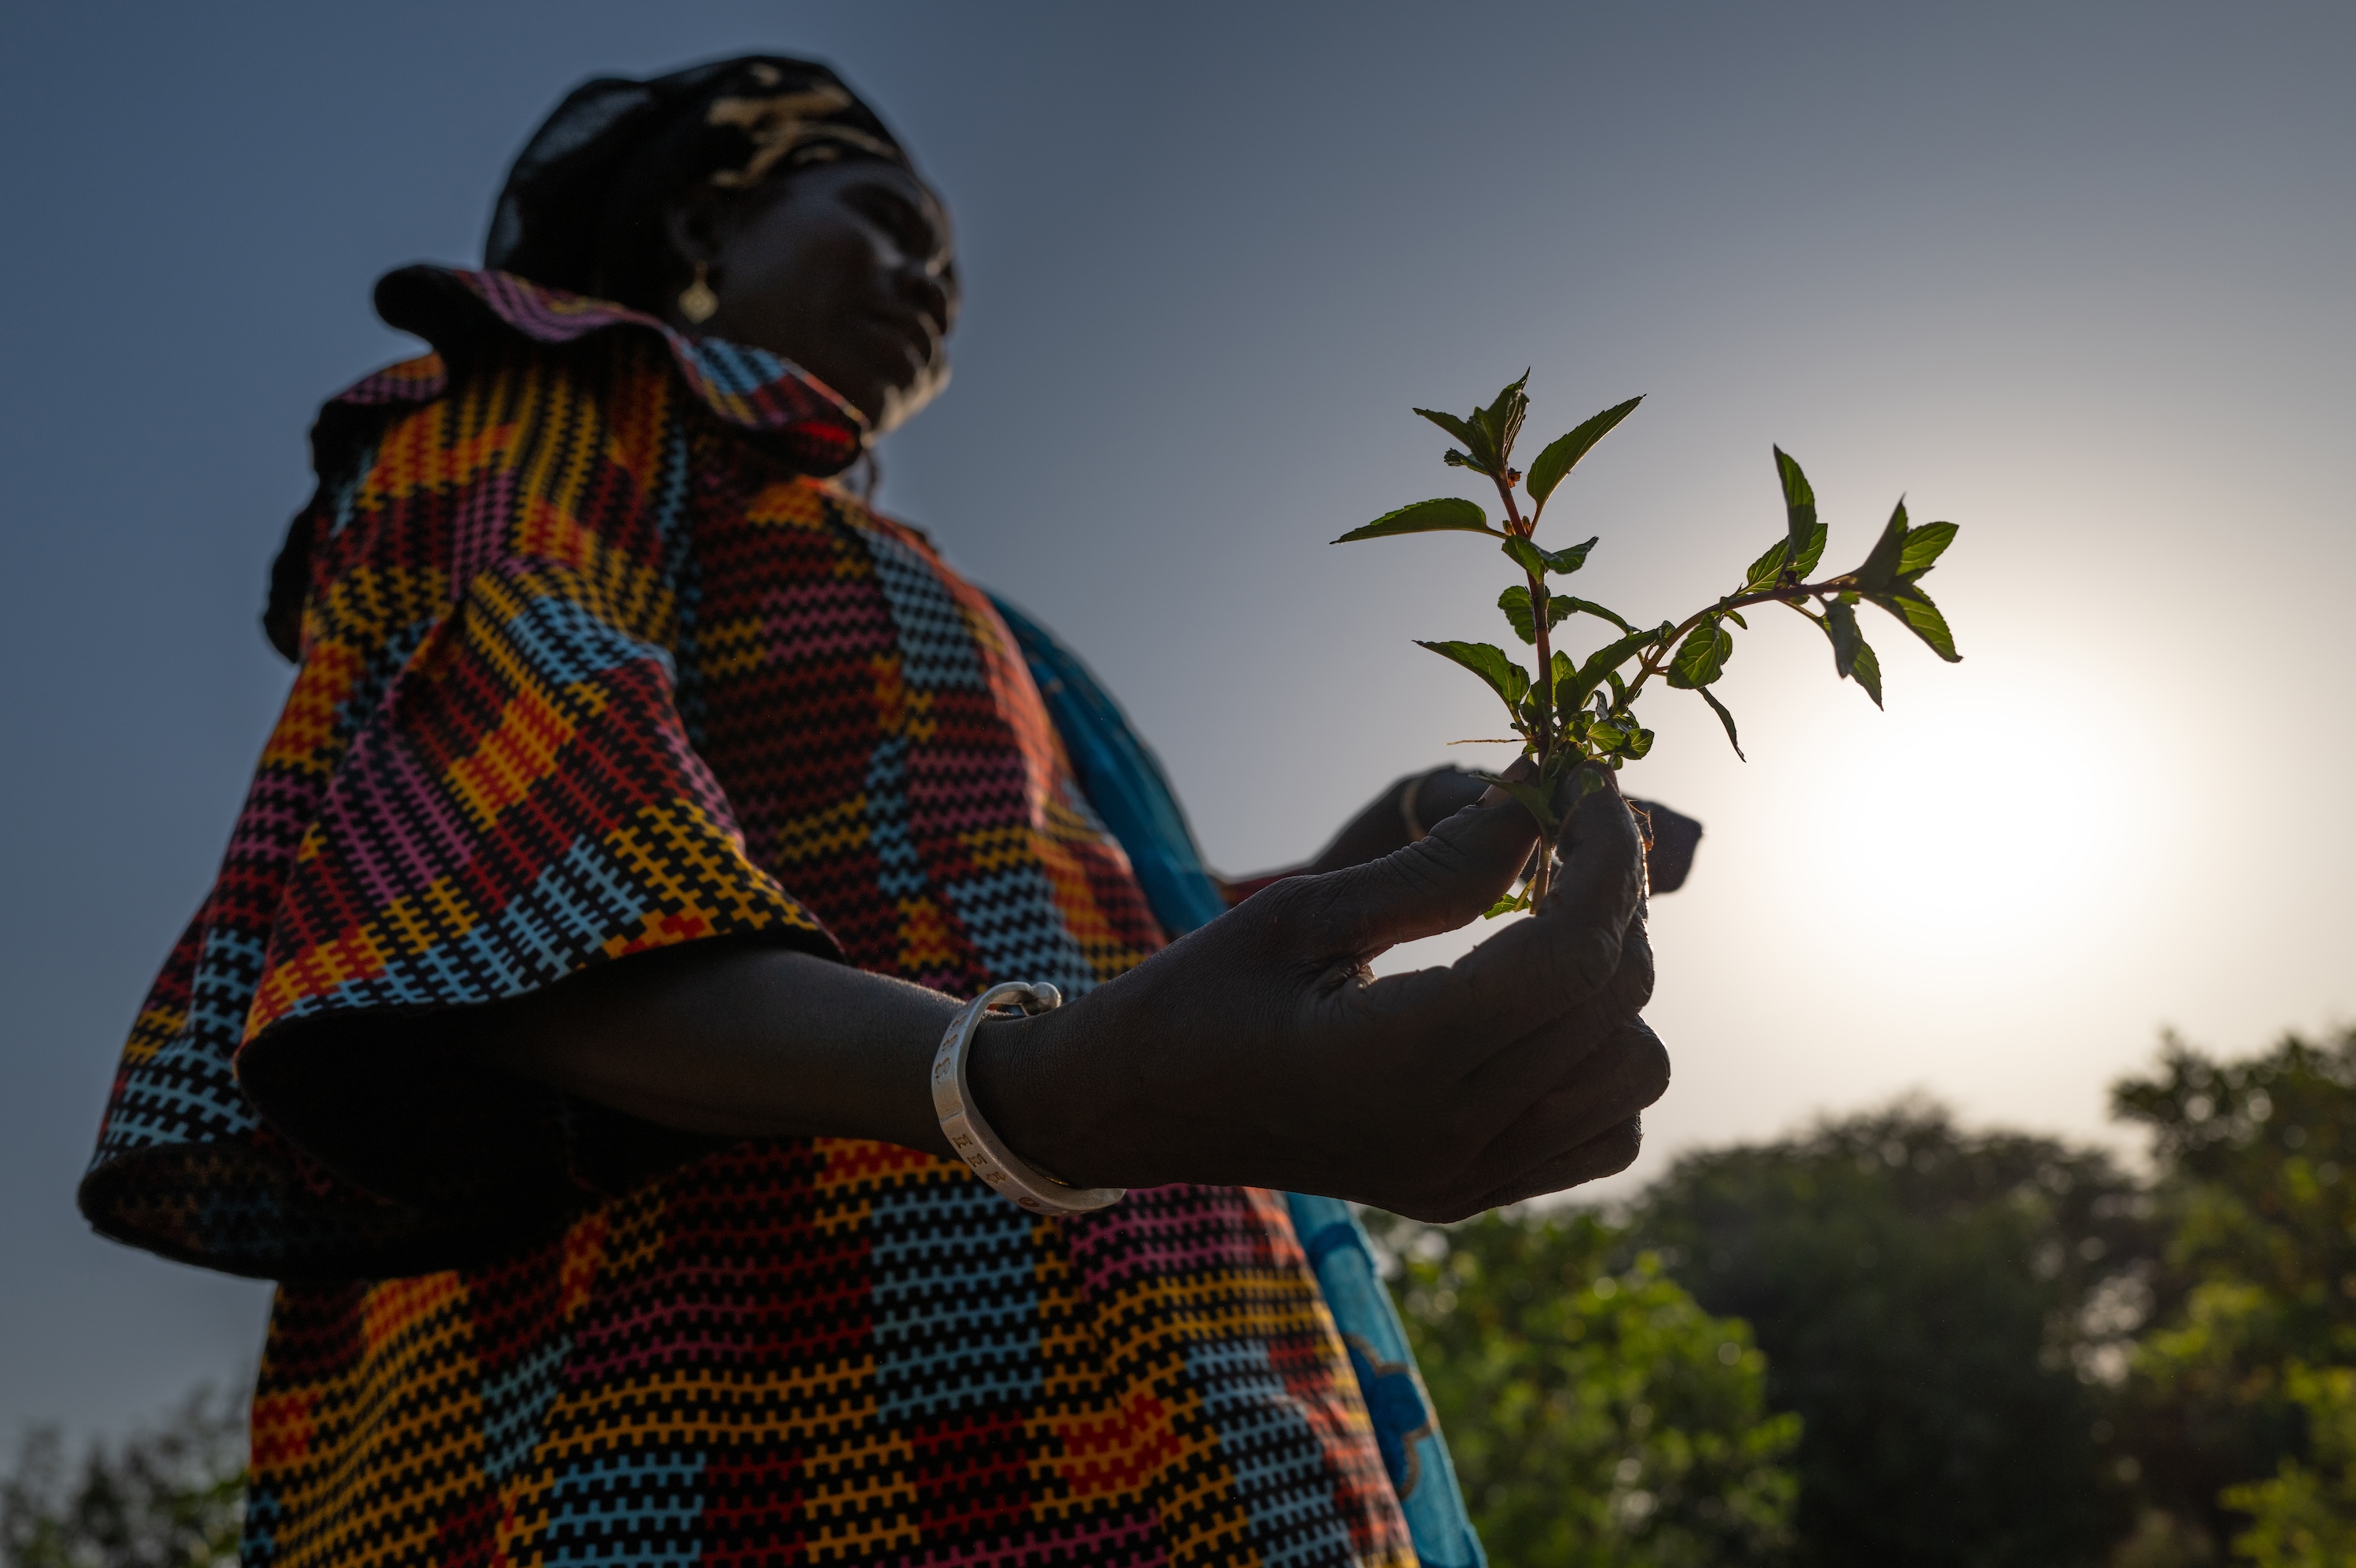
column 560, row 1030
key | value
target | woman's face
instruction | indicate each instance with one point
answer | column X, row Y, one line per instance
column 845, row 269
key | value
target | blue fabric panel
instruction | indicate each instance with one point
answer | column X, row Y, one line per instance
column 1405, row 1429
column 1122, row 781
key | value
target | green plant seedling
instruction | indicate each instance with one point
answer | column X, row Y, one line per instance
column 1576, row 718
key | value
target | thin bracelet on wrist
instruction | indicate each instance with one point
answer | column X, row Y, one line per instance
column 976, row 1142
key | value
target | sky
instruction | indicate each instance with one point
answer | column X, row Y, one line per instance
column 2075, row 277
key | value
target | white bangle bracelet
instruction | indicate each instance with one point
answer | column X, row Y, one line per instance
column 971, row 1136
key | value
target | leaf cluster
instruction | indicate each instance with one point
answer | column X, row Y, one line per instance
column 171, row 1496
column 1595, row 1412
column 1575, row 716
column 2233, row 1395
column 1937, row 1305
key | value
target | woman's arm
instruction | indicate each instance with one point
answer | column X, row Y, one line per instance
column 738, row 1042
column 1258, row 1049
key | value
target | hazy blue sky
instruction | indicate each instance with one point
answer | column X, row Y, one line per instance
column 2077, row 277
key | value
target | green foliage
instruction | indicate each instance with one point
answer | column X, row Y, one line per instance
column 1516, row 602
column 1598, row 1417
column 1563, row 453
column 2303, row 1517
column 1572, row 716
column 1940, row 1310
column 170, row 1497
column 2236, row 1401
column 1440, row 516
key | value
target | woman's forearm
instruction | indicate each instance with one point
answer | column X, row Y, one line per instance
column 738, row 1042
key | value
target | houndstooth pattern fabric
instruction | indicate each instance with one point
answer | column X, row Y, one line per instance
column 592, row 665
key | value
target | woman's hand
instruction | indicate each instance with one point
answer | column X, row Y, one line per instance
column 1259, row 1050
column 1398, row 816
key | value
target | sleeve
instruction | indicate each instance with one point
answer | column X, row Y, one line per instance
column 481, row 785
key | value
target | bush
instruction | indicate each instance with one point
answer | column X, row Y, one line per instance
column 173, row 1497
column 1597, row 1415
column 1943, row 1311
column 2239, row 1400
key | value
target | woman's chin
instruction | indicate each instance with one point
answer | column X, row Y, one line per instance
column 897, row 405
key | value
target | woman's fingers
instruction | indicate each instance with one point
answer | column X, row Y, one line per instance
column 1601, row 1089
column 1535, row 970
column 1510, row 1079
column 1608, row 1153
column 1539, row 968
column 1435, row 884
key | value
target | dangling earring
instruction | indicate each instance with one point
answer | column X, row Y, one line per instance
column 697, row 301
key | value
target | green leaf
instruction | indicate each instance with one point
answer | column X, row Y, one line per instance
column 1512, row 903
column 1445, row 515
column 1880, row 568
column 1736, row 616
column 1701, row 658
column 1640, row 741
column 1852, row 657
column 1764, row 572
column 1525, row 555
column 1913, row 606
column 1589, row 607
column 1507, row 678
column 1563, row 563
column 1516, row 602
column 1454, row 426
column 1589, row 675
column 1799, row 506
column 1533, row 799
column 1480, row 453
column 1924, row 546
column 1540, row 562
column 1563, row 454
column 1868, row 672
column 1724, row 718
column 1501, row 422
column 1810, row 553
column 1768, row 566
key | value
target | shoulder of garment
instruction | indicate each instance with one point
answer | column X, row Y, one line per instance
column 465, row 316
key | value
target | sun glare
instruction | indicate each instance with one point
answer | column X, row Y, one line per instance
column 1987, row 826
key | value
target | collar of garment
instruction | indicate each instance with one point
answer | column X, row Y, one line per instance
column 750, row 388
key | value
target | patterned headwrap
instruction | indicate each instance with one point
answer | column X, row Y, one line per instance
column 586, row 196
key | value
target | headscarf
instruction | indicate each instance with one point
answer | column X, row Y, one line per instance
column 581, row 209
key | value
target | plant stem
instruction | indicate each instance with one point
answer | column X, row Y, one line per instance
column 1794, row 594
column 1542, row 738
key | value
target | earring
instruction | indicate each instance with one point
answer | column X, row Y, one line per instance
column 697, row 301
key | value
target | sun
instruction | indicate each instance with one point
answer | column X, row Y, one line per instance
column 1984, row 820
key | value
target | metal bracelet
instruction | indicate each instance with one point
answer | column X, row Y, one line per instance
column 971, row 1136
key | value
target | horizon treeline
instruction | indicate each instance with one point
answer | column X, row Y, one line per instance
column 1883, row 1338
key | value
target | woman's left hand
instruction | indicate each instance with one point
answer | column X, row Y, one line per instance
column 1397, row 817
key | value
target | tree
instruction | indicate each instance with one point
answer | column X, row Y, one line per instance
column 2241, row 1393
column 173, row 1497
column 2305, row 1517
column 1942, row 1309
column 1598, row 1416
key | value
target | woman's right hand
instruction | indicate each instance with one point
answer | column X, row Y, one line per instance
column 1260, row 1050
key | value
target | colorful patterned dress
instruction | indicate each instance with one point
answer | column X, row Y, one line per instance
column 590, row 665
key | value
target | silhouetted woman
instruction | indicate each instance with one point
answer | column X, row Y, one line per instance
column 561, row 1030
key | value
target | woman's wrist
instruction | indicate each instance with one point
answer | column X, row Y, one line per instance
column 1029, row 1080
